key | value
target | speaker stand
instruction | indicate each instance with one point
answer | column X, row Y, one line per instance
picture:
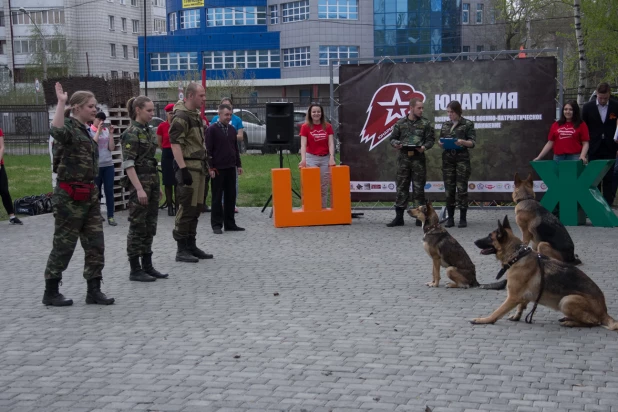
column 270, row 198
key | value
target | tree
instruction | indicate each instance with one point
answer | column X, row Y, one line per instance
column 600, row 39
column 583, row 66
column 231, row 84
column 60, row 60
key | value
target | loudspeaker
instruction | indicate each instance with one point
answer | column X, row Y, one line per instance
column 279, row 123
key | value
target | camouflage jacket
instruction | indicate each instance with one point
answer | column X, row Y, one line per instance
column 76, row 155
column 408, row 132
column 139, row 146
column 463, row 130
column 187, row 130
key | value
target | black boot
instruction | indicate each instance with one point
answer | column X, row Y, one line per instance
column 94, row 294
column 450, row 220
column 398, row 221
column 170, row 210
column 183, row 254
column 137, row 273
column 462, row 218
column 52, row 296
column 149, row 269
column 197, row 252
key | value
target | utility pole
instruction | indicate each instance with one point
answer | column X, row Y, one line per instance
column 43, row 42
column 145, row 53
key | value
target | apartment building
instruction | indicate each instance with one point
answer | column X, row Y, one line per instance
column 102, row 35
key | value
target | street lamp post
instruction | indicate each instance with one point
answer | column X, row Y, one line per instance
column 43, row 41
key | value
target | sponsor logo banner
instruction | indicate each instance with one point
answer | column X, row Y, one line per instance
column 438, row 187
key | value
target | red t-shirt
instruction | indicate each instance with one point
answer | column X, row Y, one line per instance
column 163, row 130
column 1, row 160
column 567, row 139
column 317, row 138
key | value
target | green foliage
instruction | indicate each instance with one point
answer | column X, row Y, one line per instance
column 600, row 23
column 60, row 56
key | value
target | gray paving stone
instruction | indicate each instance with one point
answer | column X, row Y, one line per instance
column 352, row 328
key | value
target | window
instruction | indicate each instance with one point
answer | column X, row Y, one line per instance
column 136, row 75
column 125, row 51
column 111, row 23
column 235, row 16
column 305, row 96
column 465, row 13
column 493, row 48
column 53, row 16
column 295, row 11
column 158, row 3
column 480, row 49
column 173, row 61
column 173, row 22
column 159, row 26
column 135, row 52
column 134, row 3
column 122, row 2
column 2, row 46
column 296, row 57
column 190, row 19
column 114, row 74
column 466, row 49
column 337, row 52
column 22, row 47
column 123, row 22
column 242, row 59
column 479, row 13
column 112, row 50
column 125, row 75
column 2, row 19
column 273, row 11
column 492, row 15
column 338, row 9
column 135, row 26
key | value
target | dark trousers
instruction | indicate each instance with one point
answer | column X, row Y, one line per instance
column 607, row 185
column 106, row 178
column 4, row 191
column 224, row 184
column 615, row 177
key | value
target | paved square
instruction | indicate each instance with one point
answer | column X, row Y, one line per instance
column 328, row 318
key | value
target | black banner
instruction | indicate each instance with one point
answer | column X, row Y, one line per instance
column 511, row 102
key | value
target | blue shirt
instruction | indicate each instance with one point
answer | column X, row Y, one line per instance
column 236, row 122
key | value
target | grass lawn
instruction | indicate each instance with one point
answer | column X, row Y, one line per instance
column 31, row 175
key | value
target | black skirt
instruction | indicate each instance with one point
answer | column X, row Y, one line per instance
column 167, row 159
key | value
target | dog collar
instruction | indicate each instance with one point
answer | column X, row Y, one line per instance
column 431, row 228
column 521, row 252
column 521, row 200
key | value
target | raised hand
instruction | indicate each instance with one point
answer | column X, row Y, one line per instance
column 61, row 94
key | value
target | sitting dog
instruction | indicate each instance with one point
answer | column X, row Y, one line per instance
column 535, row 278
column 548, row 235
column 444, row 250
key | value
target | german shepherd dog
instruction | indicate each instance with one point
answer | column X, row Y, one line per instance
column 548, row 235
column 549, row 282
column 444, row 250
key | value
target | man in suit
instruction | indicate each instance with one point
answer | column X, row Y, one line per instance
column 600, row 116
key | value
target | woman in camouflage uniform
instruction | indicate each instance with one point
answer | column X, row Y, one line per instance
column 139, row 146
column 456, row 162
column 77, row 211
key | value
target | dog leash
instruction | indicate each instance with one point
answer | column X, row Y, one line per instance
column 542, row 288
column 523, row 251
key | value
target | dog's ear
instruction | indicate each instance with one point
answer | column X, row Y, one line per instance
column 517, row 179
column 500, row 228
column 505, row 223
column 529, row 178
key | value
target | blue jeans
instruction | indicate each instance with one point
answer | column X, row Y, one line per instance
column 106, row 178
column 559, row 158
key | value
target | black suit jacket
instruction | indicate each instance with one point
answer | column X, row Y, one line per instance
column 602, row 145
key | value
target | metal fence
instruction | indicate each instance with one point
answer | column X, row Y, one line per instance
column 25, row 129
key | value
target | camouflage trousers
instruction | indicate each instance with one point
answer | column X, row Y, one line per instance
column 143, row 218
column 76, row 220
column 456, row 173
column 411, row 169
column 190, row 202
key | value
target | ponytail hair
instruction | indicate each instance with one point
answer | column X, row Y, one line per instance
column 135, row 102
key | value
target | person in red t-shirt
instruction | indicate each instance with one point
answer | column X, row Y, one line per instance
column 4, row 187
column 167, row 160
column 317, row 146
column 568, row 137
